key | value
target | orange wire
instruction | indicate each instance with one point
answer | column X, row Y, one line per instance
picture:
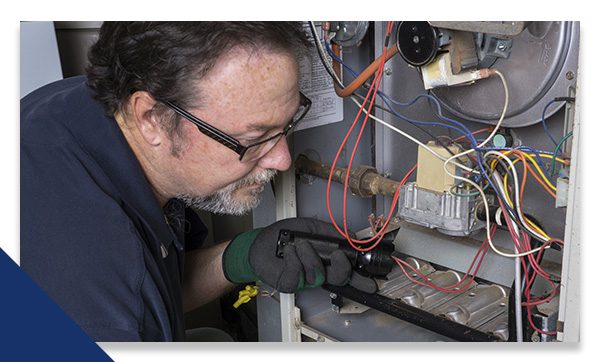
column 362, row 77
column 474, row 133
column 539, row 180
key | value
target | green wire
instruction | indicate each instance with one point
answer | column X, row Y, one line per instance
column 466, row 195
column 556, row 151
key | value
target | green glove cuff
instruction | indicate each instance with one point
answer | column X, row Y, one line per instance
column 236, row 265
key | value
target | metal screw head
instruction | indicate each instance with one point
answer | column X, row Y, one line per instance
column 332, row 295
column 347, row 322
column 570, row 75
column 387, row 71
column 501, row 47
column 535, row 337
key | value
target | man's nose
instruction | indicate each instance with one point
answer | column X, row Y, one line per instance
column 278, row 157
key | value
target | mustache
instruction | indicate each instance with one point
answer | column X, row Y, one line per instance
column 223, row 201
column 261, row 177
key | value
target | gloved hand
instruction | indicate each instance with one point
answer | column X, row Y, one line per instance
column 251, row 256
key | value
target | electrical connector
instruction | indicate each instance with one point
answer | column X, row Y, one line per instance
column 439, row 73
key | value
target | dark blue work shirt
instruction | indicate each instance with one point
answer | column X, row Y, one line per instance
column 93, row 234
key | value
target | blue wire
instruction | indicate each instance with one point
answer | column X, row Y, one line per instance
column 544, row 122
column 535, row 152
column 538, row 158
column 465, row 131
column 339, row 60
column 421, row 122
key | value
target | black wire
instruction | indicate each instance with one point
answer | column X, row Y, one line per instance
column 387, row 110
column 366, row 85
column 511, row 181
column 512, row 213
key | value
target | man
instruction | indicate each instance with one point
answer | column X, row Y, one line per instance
column 171, row 116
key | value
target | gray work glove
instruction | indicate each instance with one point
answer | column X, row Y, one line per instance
column 251, row 256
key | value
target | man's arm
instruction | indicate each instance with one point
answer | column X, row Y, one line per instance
column 203, row 278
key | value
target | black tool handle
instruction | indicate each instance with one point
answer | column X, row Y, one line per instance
column 376, row 262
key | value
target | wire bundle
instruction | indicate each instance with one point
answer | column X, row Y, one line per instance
column 370, row 99
column 488, row 168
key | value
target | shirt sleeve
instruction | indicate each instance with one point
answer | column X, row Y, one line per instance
column 78, row 244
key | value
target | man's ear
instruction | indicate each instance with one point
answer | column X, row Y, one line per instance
column 141, row 104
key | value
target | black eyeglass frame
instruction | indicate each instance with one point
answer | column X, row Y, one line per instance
column 229, row 141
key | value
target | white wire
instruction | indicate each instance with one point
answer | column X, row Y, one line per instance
column 517, row 199
column 513, row 225
column 485, row 203
column 496, row 176
column 505, row 85
column 477, row 187
column 518, row 299
column 450, row 160
column 397, row 130
column 506, row 97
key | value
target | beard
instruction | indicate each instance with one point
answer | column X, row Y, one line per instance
column 237, row 198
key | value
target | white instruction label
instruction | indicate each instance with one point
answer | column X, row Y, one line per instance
column 327, row 107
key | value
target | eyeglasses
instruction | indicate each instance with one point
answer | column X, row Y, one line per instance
column 250, row 152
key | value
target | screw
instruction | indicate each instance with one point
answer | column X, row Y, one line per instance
column 570, row 75
column 501, row 47
column 535, row 337
column 387, row 71
column 347, row 322
column 332, row 295
column 320, row 339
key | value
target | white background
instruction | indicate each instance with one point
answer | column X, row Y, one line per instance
column 13, row 12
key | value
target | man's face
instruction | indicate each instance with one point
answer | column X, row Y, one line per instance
column 249, row 96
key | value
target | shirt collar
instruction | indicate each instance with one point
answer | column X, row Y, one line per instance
column 103, row 140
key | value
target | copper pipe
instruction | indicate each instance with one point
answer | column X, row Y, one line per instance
column 364, row 180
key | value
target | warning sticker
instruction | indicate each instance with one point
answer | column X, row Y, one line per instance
column 316, row 84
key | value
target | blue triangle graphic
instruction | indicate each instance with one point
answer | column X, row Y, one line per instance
column 33, row 327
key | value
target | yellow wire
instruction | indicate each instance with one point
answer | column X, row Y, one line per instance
column 537, row 166
column 537, row 228
column 549, row 156
column 506, row 190
column 539, row 169
column 510, row 203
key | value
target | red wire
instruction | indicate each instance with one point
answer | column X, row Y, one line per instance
column 534, row 262
column 377, row 81
column 481, row 252
column 392, row 207
column 521, row 243
column 529, row 284
column 371, row 95
column 328, row 199
column 347, row 179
